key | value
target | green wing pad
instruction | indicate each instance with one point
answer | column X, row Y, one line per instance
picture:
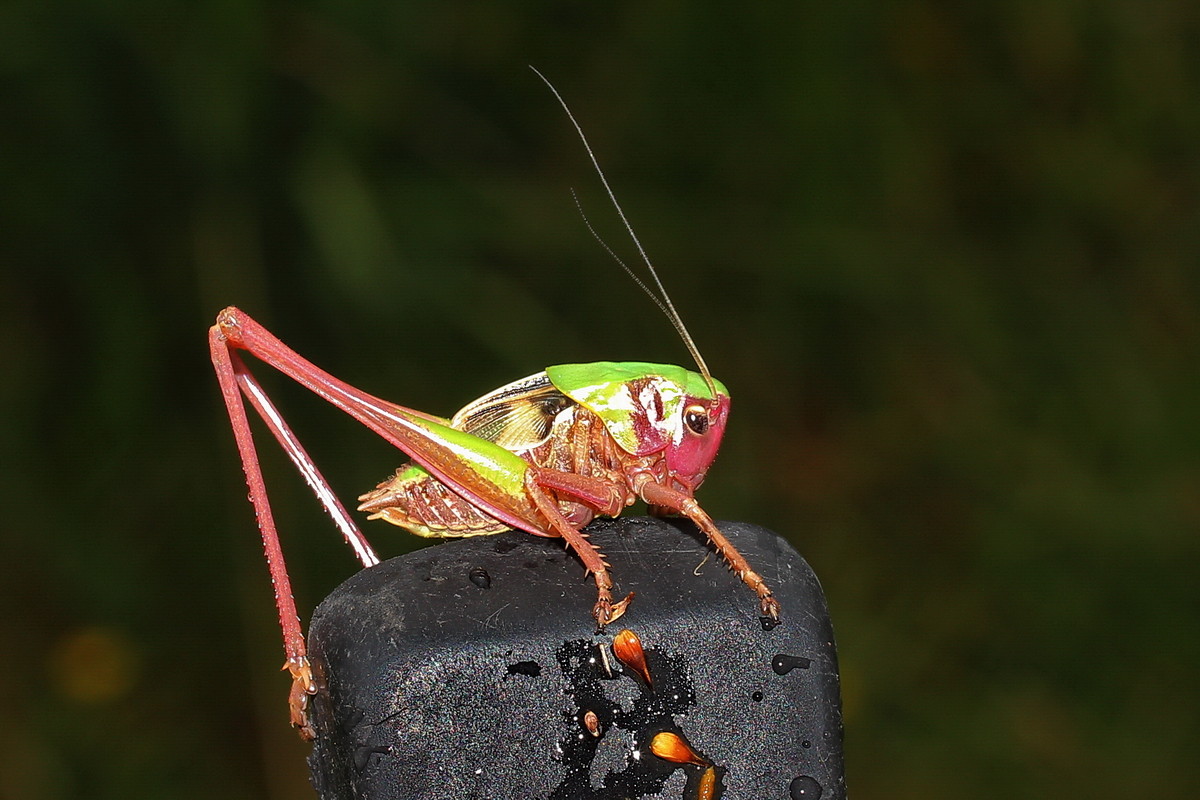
column 640, row 403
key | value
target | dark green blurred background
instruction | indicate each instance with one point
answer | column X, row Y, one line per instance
column 944, row 255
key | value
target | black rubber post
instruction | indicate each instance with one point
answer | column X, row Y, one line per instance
column 472, row 669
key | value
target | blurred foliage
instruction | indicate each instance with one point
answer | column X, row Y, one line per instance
column 945, row 256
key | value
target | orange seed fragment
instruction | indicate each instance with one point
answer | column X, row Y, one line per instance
column 628, row 648
column 670, row 746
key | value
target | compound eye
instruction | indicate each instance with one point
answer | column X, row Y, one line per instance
column 696, row 418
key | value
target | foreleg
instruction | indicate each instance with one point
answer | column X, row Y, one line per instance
column 666, row 497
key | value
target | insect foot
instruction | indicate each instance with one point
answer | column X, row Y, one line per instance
column 303, row 687
column 607, row 612
column 770, row 607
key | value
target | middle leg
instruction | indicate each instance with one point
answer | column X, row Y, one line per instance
column 594, row 492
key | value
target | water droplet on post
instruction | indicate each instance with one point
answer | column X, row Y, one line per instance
column 783, row 664
column 804, row 788
column 479, row 576
column 364, row 755
column 530, row 668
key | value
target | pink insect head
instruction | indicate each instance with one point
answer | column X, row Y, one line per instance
column 701, row 429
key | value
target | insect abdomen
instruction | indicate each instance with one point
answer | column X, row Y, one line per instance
column 423, row 505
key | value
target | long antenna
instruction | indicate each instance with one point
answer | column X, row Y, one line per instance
column 664, row 303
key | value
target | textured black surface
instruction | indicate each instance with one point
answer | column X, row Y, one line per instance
column 465, row 670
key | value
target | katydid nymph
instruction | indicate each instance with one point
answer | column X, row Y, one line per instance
column 545, row 454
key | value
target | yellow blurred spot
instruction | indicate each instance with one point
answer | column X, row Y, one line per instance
column 93, row 665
